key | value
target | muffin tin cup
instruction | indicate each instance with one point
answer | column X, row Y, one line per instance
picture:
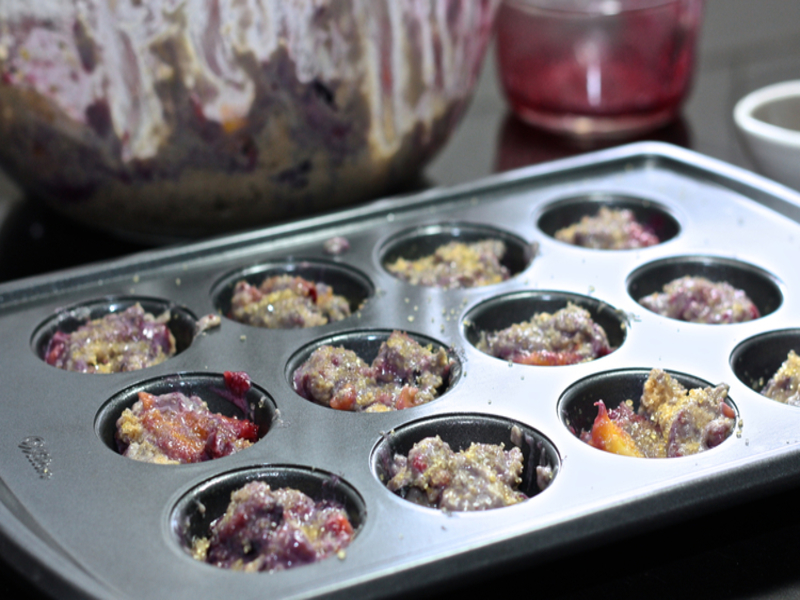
column 63, row 486
column 503, row 311
column 461, row 430
column 577, row 405
column 653, row 215
column 421, row 241
column 756, row 359
column 366, row 345
column 759, row 285
column 182, row 322
column 345, row 281
column 260, row 407
column 192, row 516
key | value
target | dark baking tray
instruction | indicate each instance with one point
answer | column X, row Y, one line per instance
column 80, row 520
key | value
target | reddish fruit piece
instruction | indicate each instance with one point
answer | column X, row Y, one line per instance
column 345, row 399
column 237, row 382
column 548, row 358
column 727, row 411
column 406, row 398
column 608, row 436
column 339, row 523
column 190, row 436
column 307, row 288
column 419, row 464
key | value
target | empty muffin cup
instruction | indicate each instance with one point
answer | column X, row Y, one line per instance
column 115, row 334
column 445, row 462
column 170, row 425
column 455, row 256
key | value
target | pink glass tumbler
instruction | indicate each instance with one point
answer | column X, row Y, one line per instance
column 597, row 68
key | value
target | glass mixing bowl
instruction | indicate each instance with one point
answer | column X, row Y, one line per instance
column 166, row 118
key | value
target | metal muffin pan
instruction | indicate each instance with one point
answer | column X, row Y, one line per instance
column 80, row 520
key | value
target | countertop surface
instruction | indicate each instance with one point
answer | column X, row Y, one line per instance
column 749, row 549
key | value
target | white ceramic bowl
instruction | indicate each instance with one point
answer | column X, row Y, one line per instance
column 769, row 120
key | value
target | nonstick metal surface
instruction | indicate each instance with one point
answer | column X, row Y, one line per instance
column 82, row 520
